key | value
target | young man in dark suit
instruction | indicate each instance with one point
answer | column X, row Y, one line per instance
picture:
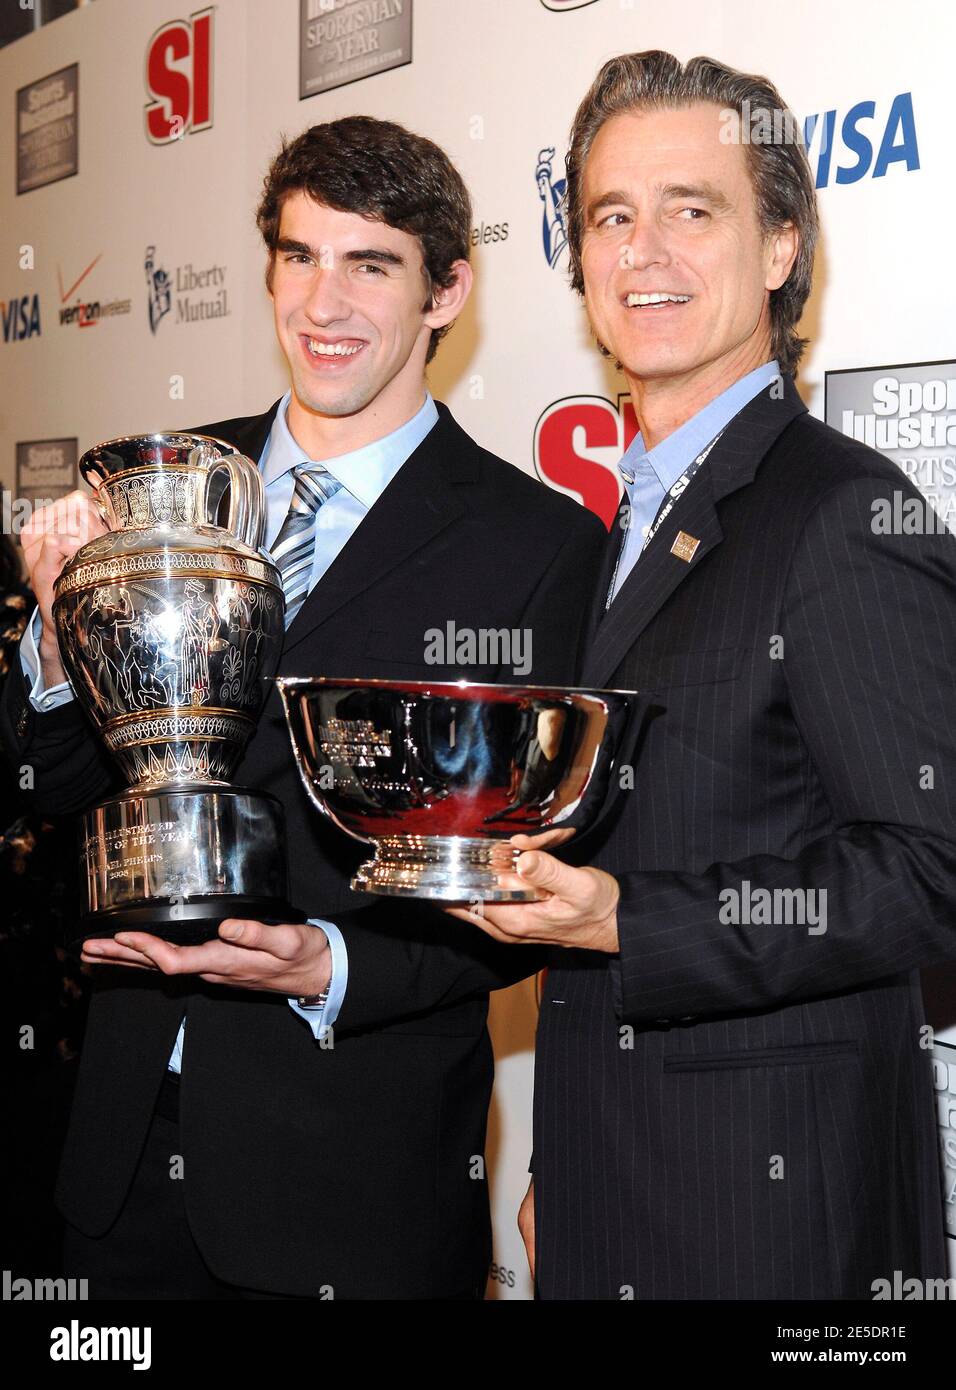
column 344, row 1171
column 733, row 1096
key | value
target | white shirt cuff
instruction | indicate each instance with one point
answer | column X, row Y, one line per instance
column 41, row 699
column 321, row 1017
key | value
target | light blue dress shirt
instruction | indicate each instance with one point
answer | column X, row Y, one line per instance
column 649, row 474
column 364, row 474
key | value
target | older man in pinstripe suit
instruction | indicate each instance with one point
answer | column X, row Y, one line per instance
column 733, row 1095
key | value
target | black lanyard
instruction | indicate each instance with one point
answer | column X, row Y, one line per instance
column 673, row 494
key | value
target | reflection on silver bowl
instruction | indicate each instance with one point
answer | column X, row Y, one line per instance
column 438, row 776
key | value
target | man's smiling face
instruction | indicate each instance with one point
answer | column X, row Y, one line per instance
column 669, row 209
column 348, row 295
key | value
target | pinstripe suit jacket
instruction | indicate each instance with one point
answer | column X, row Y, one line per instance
column 741, row 1109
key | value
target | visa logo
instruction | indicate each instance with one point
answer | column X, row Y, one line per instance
column 844, row 152
column 21, row 317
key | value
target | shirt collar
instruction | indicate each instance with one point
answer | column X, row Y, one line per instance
column 365, row 472
column 669, row 458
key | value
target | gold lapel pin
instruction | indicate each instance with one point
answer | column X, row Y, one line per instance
column 685, row 546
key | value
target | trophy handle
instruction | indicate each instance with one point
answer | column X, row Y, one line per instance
column 247, row 499
column 102, row 504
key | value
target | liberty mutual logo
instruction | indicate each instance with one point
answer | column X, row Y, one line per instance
column 551, row 191
column 158, row 288
column 194, row 294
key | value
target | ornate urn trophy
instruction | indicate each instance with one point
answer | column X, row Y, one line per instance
column 170, row 627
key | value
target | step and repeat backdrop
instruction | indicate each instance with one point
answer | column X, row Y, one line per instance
column 131, row 273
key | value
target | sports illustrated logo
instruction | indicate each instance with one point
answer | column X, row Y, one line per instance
column 908, row 413
column 554, row 232
column 46, row 470
column 578, row 443
column 178, row 78
column 199, row 294
column 87, row 313
column 342, row 41
column 47, row 129
column 873, row 140
column 20, row 318
column 158, row 289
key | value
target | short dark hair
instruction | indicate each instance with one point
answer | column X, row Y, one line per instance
column 379, row 170
column 779, row 169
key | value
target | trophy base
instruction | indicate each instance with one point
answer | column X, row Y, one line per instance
column 177, row 860
column 186, row 923
column 451, row 869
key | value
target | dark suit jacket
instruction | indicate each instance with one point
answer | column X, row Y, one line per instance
column 352, row 1166
column 739, row 1109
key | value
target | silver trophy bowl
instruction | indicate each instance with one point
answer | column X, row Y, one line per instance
column 170, row 627
column 437, row 776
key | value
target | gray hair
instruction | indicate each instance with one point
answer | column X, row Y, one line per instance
column 779, row 169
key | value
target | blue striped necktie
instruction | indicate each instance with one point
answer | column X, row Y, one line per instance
column 294, row 547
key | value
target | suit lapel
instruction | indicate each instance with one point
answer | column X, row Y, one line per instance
column 420, row 501
column 732, row 464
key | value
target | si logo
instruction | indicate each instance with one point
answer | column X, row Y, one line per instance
column 179, row 78
column 578, row 443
